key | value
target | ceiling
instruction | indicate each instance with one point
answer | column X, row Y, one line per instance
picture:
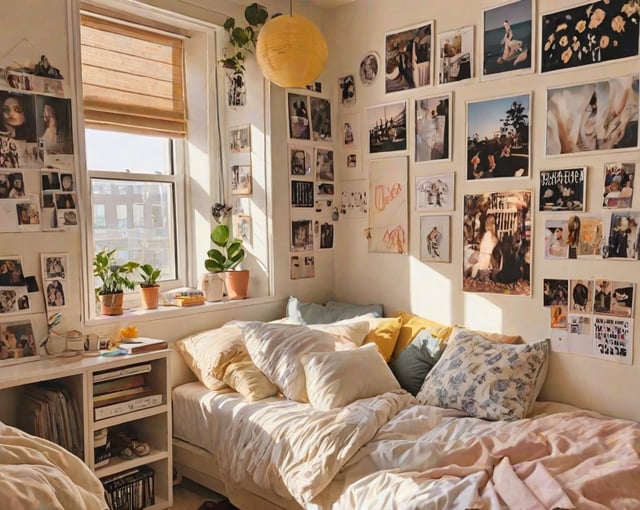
column 327, row 4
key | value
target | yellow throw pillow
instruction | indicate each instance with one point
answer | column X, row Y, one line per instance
column 496, row 338
column 384, row 334
column 413, row 324
column 210, row 352
column 245, row 377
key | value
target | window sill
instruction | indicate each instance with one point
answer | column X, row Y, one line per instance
column 168, row 312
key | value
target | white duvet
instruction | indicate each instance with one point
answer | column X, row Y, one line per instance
column 37, row 474
column 388, row 452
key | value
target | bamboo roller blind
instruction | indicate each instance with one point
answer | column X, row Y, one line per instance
column 132, row 79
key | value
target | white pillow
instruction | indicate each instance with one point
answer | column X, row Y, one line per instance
column 335, row 379
column 276, row 350
column 346, row 333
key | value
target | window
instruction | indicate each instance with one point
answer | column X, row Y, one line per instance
column 135, row 125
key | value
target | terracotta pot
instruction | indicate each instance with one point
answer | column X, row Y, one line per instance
column 237, row 283
column 149, row 296
column 111, row 304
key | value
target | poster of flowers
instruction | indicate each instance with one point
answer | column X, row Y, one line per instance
column 497, row 242
column 593, row 116
column 498, row 137
column 591, row 33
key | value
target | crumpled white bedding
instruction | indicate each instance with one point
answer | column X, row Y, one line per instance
column 390, row 452
column 36, row 474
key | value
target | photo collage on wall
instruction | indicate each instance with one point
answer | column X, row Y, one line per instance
column 591, row 317
column 312, row 178
column 36, row 140
column 241, row 180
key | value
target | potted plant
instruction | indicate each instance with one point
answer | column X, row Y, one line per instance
column 114, row 279
column 224, row 258
column 149, row 288
column 242, row 40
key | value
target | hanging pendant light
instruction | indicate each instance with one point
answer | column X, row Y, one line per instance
column 291, row 51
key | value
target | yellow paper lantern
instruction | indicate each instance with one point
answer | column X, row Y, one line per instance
column 291, row 51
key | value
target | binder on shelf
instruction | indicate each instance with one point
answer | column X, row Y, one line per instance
column 140, row 345
column 121, row 372
column 129, row 406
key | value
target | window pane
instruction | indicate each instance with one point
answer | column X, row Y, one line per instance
column 137, row 218
column 126, row 152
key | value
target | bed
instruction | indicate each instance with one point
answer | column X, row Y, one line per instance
column 36, row 473
column 349, row 436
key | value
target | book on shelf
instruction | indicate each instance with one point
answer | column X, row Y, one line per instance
column 140, row 345
column 128, row 406
column 121, row 372
column 121, row 384
column 131, row 489
column 118, row 396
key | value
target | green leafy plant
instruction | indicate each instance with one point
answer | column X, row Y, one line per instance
column 227, row 253
column 242, row 40
column 149, row 275
column 114, row 277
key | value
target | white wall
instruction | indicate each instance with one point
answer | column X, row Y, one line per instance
column 434, row 290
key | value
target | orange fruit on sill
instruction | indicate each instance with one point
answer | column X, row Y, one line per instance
column 129, row 332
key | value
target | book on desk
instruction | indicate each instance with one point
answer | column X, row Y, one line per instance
column 141, row 344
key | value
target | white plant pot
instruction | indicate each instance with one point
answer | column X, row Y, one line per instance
column 212, row 284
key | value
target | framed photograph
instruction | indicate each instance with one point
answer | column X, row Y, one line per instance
column 621, row 235
column 326, row 235
column 369, row 68
column 435, row 192
column 498, row 134
column 590, row 33
column 242, row 227
column 55, row 293
column 11, row 274
column 302, row 266
column 563, row 190
column 349, row 129
column 320, row 119
column 409, row 58
column 301, row 235
column 497, row 243
column 299, row 120
column 347, row 86
column 435, row 238
column 241, row 180
column 433, row 128
column 580, row 296
column 556, row 243
column 54, row 266
column 387, row 125
column 28, row 214
column 456, row 61
column 388, row 230
column 618, row 185
column 240, row 139
column 593, row 116
column 301, row 193
column 507, row 39
column 17, row 342
column 556, row 292
column 614, row 298
column 12, row 184
column 324, row 164
column 324, row 190
column 300, row 161
column 584, row 236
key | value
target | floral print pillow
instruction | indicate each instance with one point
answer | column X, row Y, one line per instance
column 484, row 379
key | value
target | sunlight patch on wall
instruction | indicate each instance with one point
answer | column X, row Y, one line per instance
column 435, row 300
column 481, row 313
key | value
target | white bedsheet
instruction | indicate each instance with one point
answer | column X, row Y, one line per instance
column 390, row 452
column 36, row 474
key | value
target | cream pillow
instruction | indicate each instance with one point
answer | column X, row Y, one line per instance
column 346, row 333
column 246, row 379
column 276, row 350
column 335, row 379
column 210, row 352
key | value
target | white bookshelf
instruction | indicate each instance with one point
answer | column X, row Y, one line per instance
column 153, row 424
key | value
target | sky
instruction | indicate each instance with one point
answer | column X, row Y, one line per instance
column 483, row 117
column 515, row 12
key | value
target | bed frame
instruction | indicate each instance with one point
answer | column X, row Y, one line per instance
column 199, row 465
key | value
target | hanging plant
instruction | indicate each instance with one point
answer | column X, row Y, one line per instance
column 242, row 40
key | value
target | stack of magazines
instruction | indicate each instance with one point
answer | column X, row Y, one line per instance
column 50, row 411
